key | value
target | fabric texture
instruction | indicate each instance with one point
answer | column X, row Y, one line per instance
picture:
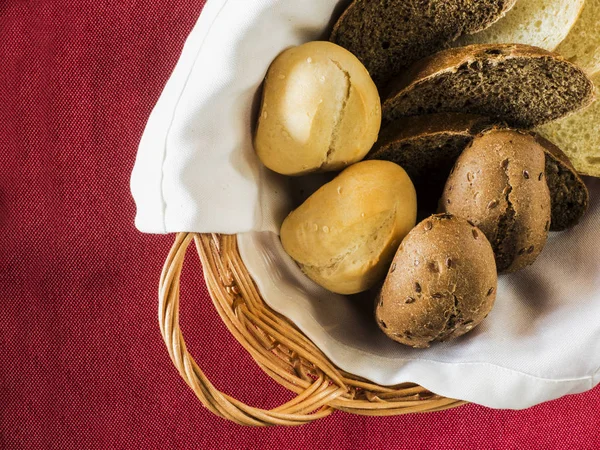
column 196, row 170
column 82, row 363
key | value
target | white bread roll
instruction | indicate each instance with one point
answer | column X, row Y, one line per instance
column 320, row 111
column 345, row 235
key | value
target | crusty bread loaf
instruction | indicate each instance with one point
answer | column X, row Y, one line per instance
column 543, row 23
column 578, row 135
column 346, row 234
column 442, row 283
column 522, row 85
column 320, row 111
column 582, row 45
column 427, row 147
column 389, row 35
column 498, row 183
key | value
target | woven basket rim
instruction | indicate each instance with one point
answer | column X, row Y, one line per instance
column 279, row 348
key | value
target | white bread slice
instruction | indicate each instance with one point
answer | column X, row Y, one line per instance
column 542, row 23
column 578, row 135
column 582, row 45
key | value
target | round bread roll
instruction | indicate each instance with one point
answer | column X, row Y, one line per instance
column 345, row 235
column 320, row 111
column 441, row 285
column 498, row 183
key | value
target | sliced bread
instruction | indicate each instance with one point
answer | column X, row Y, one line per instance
column 428, row 146
column 522, row 85
column 568, row 193
column 389, row 35
column 543, row 23
column 582, row 45
column 578, row 135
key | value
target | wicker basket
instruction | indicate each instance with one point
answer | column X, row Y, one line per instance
column 277, row 346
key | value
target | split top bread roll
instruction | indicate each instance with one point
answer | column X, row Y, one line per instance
column 320, row 111
column 499, row 184
column 345, row 235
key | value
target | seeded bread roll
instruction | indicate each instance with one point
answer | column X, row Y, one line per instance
column 320, row 111
column 389, row 35
column 499, row 184
column 345, row 235
column 521, row 85
column 441, row 284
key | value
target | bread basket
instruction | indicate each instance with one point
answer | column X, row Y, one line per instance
column 277, row 346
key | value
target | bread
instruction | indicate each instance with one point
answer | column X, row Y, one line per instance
column 522, row 85
column 345, row 235
column 568, row 193
column 320, row 111
column 578, row 135
column 582, row 45
column 441, row 285
column 389, row 35
column 427, row 147
column 498, row 183
column 543, row 23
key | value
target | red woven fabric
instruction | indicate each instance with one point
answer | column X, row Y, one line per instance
column 82, row 363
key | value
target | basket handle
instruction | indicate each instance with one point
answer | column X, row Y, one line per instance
column 309, row 405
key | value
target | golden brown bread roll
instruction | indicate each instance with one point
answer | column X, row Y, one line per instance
column 499, row 184
column 441, row 284
column 320, row 111
column 345, row 235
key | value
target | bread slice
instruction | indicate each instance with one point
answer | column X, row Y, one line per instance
column 578, row 135
column 568, row 193
column 522, row 85
column 428, row 146
column 582, row 45
column 389, row 35
column 543, row 23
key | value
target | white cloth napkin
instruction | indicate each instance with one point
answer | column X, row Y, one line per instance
column 196, row 171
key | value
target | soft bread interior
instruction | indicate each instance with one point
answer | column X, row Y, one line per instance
column 578, row 135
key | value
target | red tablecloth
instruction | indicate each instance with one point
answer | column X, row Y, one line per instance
column 82, row 363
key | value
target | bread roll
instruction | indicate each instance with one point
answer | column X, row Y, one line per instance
column 345, row 235
column 441, row 284
column 320, row 111
column 499, row 184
